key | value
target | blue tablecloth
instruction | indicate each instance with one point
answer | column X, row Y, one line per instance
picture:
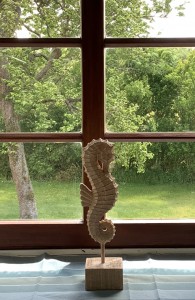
column 49, row 277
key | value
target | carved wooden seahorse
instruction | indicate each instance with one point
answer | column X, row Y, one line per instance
column 97, row 157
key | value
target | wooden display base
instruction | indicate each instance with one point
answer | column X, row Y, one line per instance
column 104, row 276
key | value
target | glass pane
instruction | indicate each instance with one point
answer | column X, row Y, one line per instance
column 38, row 19
column 41, row 89
column 150, row 18
column 150, row 89
column 40, row 181
column 156, row 181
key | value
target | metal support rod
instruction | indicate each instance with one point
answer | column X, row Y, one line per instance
column 102, row 253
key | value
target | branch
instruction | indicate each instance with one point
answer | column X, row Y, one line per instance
column 33, row 55
column 1, row 104
column 70, row 103
column 61, row 5
column 55, row 54
column 32, row 31
column 42, row 15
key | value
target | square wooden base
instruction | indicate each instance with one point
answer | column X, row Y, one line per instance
column 107, row 276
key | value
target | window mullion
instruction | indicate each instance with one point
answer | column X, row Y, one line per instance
column 40, row 42
column 93, row 69
column 92, row 72
column 148, row 42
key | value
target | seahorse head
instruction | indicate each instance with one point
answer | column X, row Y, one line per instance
column 103, row 153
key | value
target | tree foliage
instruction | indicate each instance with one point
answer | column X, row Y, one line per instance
column 146, row 89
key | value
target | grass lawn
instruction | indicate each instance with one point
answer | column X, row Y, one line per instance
column 55, row 200
column 159, row 201
column 59, row 200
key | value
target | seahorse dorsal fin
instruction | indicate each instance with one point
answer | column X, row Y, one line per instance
column 86, row 195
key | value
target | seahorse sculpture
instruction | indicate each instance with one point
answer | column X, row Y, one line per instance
column 97, row 156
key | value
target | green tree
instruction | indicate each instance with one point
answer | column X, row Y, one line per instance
column 184, row 76
column 28, row 81
column 152, row 90
column 137, row 79
column 41, row 87
column 16, row 152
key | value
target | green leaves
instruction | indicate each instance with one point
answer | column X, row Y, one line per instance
column 52, row 103
column 133, row 18
column 10, row 12
column 146, row 89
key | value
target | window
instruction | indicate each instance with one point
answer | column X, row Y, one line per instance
column 28, row 234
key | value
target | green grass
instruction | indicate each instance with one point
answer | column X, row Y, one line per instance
column 59, row 200
column 55, row 200
column 159, row 201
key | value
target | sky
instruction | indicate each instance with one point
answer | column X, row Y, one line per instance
column 175, row 26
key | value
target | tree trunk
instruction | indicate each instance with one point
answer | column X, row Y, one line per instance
column 17, row 159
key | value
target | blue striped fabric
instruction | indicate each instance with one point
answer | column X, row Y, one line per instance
column 47, row 277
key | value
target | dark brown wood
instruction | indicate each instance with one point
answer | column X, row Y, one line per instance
column 148, row 42
column 92, row 73
column 113, row 137
column 154, row 234
column 65, row 235
column 37, row 235
column 40, row 42
column 93, row 69
column 41, row 137
column 74, row 234
column 151, row 137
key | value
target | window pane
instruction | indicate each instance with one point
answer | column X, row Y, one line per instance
column 40, row 19
column 149, row 18
column 150, row 89
column 156, row 181
column 41, row 89
column 40, row 181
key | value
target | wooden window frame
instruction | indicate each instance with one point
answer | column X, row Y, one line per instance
column 28, row 234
